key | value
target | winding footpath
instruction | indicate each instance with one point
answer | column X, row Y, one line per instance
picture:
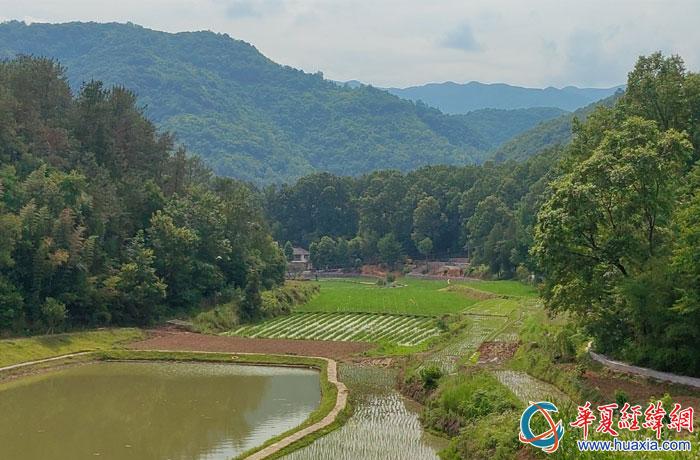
column 45, row 360
column 340, row 403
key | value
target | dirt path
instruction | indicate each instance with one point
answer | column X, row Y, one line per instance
column 45, row 360
column 164, row 339
column 644, row 372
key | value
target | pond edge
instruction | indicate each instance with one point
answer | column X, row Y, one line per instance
column 331, row 413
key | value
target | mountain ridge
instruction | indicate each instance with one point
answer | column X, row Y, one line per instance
column 455, row 98
column 256, row 120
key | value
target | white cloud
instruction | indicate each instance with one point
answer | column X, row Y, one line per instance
column 403, row 42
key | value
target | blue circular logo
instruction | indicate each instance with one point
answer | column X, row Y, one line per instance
column 549, row 440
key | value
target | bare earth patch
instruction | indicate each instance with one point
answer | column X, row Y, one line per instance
column 496, row 352
column 173, row 340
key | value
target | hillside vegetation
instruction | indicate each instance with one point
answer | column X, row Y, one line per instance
column 548, row 134
column 256, row 120
column 104, row 222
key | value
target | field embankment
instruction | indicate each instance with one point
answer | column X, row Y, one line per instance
column 18, row 350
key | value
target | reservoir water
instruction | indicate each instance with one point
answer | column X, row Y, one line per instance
column 152, row 410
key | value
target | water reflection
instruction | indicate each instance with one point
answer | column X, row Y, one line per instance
column 152, row 410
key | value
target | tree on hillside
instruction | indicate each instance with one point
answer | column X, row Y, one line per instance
column 425, row 247
column 492, row 235
column 323, row 253
column 428, row 219
column 288, row 251
column 605, row 232
column 252, row 299
column 53, row 313
column 390, row 250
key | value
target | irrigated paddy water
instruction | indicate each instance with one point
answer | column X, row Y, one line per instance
column 381, row 427
column 152, row 411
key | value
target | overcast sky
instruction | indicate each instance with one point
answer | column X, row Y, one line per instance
column 404, row 42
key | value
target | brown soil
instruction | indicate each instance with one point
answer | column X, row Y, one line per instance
column 496, row 352
column 174, row 340
column 640, row 390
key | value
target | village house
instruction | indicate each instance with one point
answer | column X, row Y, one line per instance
column 300, row 260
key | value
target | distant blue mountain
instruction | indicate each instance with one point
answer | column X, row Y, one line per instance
column 455, row 98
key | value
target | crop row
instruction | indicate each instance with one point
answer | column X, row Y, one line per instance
column 380, row 428
column 357, row 327
column 528, row 388
column 480, row 328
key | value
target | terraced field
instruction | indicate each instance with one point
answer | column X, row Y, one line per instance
column 405, row 330
column 528, row 388
column 381, row 427
column 480, row 328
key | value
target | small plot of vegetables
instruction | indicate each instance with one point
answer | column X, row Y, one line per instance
column 495, row 307
column 479, row 329
column 504, row 287
column 361, row 327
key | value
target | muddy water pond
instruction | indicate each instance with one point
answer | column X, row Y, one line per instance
column 152, row 411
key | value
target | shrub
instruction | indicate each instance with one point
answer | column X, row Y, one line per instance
column 53, row 313
column 430, row 376
column 222, row 318
column 465, row 399
column 275, row 302
column 621, row 397
column 493, row 437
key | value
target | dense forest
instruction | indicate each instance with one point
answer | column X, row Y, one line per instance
column 104, row 222
column 252, row 119
column 610, row 223
column 484, row 211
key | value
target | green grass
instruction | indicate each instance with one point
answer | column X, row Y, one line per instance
column 504, row 287
column 15, row 351
column 503, row 307
column 403, row 330
column 413, row 297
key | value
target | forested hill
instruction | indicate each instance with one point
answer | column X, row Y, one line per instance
column 253, row 119
column 548, row 134
column 102, row 222
column 453, row 97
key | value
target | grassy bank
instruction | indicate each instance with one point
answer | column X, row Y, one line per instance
column 15, row 351
column 275, row 302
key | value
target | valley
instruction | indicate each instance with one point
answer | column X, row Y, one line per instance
column 205, row 254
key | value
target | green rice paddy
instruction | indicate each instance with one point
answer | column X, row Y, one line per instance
column 402, row 330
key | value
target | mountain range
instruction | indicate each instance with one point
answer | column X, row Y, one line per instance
column 260, row 121
column 454, row 98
